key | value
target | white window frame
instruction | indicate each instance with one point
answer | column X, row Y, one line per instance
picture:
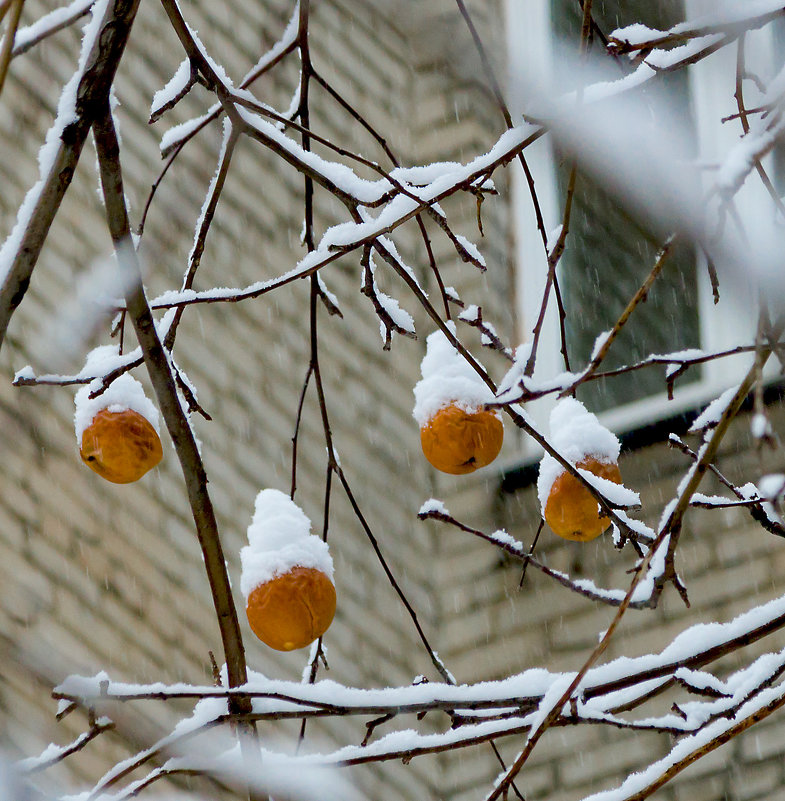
column 528, row 42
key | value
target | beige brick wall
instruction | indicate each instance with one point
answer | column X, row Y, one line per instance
column 97, row 576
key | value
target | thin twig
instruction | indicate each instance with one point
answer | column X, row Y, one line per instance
column 611, row 598
column 635, row 301
column 207, row 214
column 76, row 745
column 8, row 39
column 743, row 118
column 530, row 554
column 438, row 664
column 673, row 524
column 499, row 97
column 45, row 31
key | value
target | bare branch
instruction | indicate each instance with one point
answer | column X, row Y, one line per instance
column 176, row 422
column 104, row 46
column 49, row 24
column 682, row 33
column 8, row 39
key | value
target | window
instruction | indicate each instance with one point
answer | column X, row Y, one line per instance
column 608, row 252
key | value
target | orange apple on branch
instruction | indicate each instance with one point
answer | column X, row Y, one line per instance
column 287, row 575
column 117, row 431
column 458, row 433
column 568, row 507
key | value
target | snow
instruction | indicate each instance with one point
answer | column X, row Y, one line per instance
column 576, row 433
column 549, row 700
column 51, row 21
column 642, row 781
column 740, row 160
column 347, row 235
column 326, row 292
column 125, row 392
column 535, row 688
column 665, row 59
column 279, row 539
column 471, row 314
column 679, row 358
column 724, row 14
column 602, row 90
column 433, row 505
column 288, row 37
column 339, row 175
column 599, row 343
column 509, row 385
column 26, row 373
column 700, row 680
column 295, row 778
column 617, row 494
column 635, row 34
column 645, row 586
column 522, row 688
column 389, row 245
column 771, row 485
column 399, row 317
column 11, row 787
column 553, row 238
column 207, row 203
column 219, row 71
column 176, row 86
column 638, row 526
column 447, row 379
column 760, row 426
column 425, row 174
column 53, row 752
column 471, row 249
column 176, row 134
column 728, row 13
column 507, row 541
column 711, row 415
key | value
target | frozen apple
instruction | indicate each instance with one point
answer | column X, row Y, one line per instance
column 457, row 432
column 293, row 609
column 287, row 575
column 117, row 431
column 568, row 507
column 458, row 441
column 121, row 446
column 571, row 510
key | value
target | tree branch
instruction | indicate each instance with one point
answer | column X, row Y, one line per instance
column 176, row 422
column 21, row 250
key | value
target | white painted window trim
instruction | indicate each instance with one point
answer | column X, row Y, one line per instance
column 528, row 42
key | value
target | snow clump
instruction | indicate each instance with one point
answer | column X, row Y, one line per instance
column 576, row 434
column 124, row 393
column 280, row 539
column 447, row 378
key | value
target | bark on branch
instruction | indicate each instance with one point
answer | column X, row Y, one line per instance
column 166, row 393
column 43, row 201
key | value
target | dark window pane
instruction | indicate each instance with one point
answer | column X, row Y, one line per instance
column 609, row 254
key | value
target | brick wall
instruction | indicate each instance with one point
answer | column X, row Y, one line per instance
column 97, row 576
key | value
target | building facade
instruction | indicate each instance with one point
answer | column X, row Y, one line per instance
column 102, row 577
